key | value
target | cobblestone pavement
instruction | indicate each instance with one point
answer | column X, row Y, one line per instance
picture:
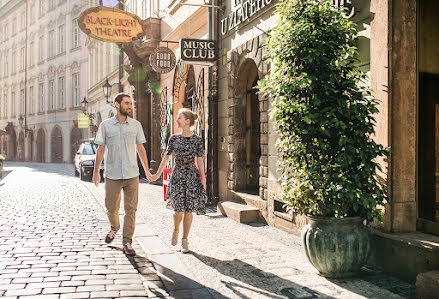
column 235, row 260
column 51, row 240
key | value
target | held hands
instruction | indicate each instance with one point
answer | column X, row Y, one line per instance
column 155, row 177
column 149, row 176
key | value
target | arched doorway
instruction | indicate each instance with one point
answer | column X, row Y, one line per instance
column 75, row 142
column 30, row 146
column 247, row 129
column 41, row 146
column 56, row 146
column 12, row 145
column 21, row 152
column 183, row 88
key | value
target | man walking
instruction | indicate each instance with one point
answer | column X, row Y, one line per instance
column 120, row 137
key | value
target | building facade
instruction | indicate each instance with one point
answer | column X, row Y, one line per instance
column 43, row 79
column 398, row 50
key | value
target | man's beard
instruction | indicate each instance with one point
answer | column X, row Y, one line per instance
column 124, row 112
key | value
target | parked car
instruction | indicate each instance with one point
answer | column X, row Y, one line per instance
column 85, row 160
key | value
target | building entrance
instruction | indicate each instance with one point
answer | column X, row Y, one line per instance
column 428, row 118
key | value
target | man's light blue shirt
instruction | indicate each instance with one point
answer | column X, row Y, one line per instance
column 120, row 140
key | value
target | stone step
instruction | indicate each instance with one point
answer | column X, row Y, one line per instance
column 419, row 251
column 427, row 285
column 238, row 211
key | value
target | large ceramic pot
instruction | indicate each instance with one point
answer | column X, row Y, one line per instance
column 336, row 247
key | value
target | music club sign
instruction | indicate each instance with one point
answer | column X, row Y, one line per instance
column 111, row 25
column 198, row 50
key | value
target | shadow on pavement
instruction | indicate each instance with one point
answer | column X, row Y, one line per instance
column 381, row 280
column 178, row 285
column 266, row 283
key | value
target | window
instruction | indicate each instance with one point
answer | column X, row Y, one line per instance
column 41, row 97
column 22, row 96
column 51, row 44
column 41, row 49
column 5, row 104
column 52, row 4
column 61, row 93
column 22, row 59
column 14, row 26
column 23, row 21
column 52, row 95
column 62, row 39
column 6, row 31
column 6, row 65
column 32, row 13
column 75, row 32
column 31, row 54
column 13, row 104
column 31, row 100
column 75, row 90
column 41, row 8
column 13, row 63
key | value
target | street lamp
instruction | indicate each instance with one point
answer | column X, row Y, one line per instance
column 21, row 120
column 84, row 106
column 107, row 90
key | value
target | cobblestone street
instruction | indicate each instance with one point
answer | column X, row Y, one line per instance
column 51, row 240
column 51, row 245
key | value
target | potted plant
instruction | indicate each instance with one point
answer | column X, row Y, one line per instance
column 325, row 120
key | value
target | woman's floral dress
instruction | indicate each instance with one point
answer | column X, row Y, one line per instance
column 185, row 193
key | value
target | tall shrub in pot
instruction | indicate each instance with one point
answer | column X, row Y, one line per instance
column 325, row 120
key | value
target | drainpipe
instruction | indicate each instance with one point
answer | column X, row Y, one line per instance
column 25, row 82
column 212, row 163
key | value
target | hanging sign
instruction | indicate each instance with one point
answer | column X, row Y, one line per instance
column 111, row 25
column 83, row 121
column 162, row 60
column 198, row 50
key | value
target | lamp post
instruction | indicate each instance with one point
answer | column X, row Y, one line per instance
column 107, row 90
column 21, row 120
column 84, row 106
column 84, row 109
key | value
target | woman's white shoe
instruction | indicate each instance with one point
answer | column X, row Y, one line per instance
column 185, row 245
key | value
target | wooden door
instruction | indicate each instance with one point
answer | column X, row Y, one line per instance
column 428, row 167
column 56, row 146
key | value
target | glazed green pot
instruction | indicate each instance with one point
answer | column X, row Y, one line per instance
column 336, row 247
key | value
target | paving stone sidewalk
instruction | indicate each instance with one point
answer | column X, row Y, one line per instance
column 51, row 240
column 233, row 260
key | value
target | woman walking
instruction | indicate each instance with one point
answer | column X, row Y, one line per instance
column 186, row 192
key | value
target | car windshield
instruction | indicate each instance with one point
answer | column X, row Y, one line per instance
column 89, row 149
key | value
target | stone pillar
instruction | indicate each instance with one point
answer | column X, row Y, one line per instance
column 403, row 124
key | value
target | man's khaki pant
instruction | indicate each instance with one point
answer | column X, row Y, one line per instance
column 113, row 190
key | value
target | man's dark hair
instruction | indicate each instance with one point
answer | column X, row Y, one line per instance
column 120, row 97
